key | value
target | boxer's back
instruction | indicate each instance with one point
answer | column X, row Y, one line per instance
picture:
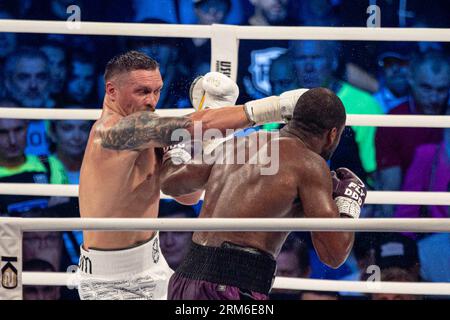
column 242, row 191
column 117, row 184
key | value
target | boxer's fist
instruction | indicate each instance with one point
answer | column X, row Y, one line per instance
column 183, row 152
column 349, row 192
column 213, row 90
column 273, row 109
column 288, row 101
column 179, row 153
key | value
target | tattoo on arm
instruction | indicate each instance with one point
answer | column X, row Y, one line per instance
column 139, row 129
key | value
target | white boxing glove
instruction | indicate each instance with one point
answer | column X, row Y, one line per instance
column 178, row 153
column 274, row 108
column 213, row 90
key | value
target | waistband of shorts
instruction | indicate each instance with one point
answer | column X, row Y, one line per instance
column 231, row 265
column 125, row 261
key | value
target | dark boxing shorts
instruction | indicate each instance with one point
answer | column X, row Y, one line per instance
column 228, row 272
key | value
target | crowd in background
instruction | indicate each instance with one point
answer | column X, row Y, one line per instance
column 65, row 71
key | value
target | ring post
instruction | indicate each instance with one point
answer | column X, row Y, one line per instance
column 10, row 259
column 224, row 50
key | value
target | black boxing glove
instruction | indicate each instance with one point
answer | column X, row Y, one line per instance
column 349, row 192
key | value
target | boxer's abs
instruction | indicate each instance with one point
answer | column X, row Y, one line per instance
column 118, row 187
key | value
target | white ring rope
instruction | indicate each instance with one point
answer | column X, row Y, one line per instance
column 109, row 29
column 352, row 119
column 241, row 32
column 73, row 114
column 297, row 284
column 428, row 225
column 373, row 197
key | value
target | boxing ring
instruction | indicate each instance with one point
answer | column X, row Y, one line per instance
column 225, row 45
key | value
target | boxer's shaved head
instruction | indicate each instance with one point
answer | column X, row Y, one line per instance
column 320, row 114
column 317, row 111
column 127, row 62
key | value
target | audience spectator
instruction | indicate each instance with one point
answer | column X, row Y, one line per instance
column 393, row 250
column 70, row 137
column 47, row 246
column 16, row 166
column 40, row 292
column 148, row 9
column 209, row 12
column 364, row 255
column 173, row 71
column 282, row 75
column 27, row 78
column 8, row 41
column 175, row 245
column 55, row 74
column 271, row 13
column 429, row 171
column 396, row 275
column 429, row 79
column 27, row 81
column 323, row 13
column 292, row 262
column 424, row 46
column 57, row 57
column 255, row 57
column 394, row 87
column 434, row 253
column 81, row 83
column 198, row 50
column 236, row 14
column 317, row 64
column 396, row 13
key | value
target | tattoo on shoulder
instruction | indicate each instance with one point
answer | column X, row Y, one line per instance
column 141, row 128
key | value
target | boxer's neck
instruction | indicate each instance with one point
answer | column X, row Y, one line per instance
column 313, row 143
column 112, row 106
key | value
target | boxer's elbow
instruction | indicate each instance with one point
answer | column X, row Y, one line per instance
column 190, row 199
column 332, row 262
column 170, row 187
column 333, row 253
column 175, row 186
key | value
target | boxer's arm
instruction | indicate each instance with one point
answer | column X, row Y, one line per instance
column 185, row 181
column 146, row 129
column 229, row 117
column 315, row 192
column 190, row 199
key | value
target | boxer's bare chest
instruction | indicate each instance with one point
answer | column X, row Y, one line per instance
column 146, row 172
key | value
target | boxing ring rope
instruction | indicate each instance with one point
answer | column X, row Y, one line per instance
column 420, row 225
column 419, row 121
column 297, row 284
column 373, row 197
column 228, row 37
column 240, row 32
column 225, row 38
column 288, row 224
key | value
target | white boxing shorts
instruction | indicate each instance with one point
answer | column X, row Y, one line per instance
column 138, row 273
